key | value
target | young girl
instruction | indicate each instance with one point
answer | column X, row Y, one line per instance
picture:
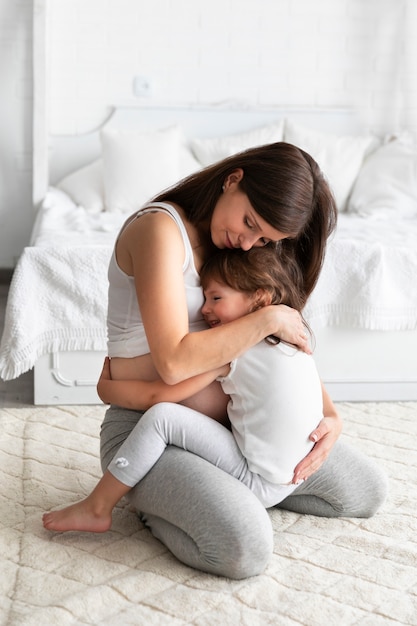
column 275, row 400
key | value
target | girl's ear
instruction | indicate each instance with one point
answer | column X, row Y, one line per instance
column 261, row 298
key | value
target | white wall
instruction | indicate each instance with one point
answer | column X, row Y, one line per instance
column 304, row 53
column 16, row 213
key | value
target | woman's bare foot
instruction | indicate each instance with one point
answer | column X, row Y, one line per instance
column 80, row 516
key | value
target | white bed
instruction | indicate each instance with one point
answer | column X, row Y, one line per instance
column 363, row 311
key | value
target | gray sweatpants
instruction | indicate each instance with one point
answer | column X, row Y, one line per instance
column 213, row 522
column 166, row 424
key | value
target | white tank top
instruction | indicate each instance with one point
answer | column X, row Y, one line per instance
column 125, row 330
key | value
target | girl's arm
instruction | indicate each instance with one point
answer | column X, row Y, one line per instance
column 324, row 436
column 141, row 395
column 151, row 249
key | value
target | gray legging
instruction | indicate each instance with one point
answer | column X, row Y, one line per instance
column 168, row 423
column 212, row 522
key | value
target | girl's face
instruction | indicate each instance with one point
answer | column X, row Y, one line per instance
column 224, row 304
column 235, row 223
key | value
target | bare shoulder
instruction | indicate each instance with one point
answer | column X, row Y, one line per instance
column 151, row 233
column 152, row 223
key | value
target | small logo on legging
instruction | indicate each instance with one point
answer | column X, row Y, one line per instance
column 121, row 462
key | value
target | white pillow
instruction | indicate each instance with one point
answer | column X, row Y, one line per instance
column 339, row 156
column 209, row 151
column 138, row 165
column 187, row 162
column 387, row 183
column 85, row 186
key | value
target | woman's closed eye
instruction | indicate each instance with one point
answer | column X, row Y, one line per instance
column 249, row 224
column 262, row 241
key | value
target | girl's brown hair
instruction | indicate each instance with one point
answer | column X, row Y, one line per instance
column 286, row 188
column 256, row 269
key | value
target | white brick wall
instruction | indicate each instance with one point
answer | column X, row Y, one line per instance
column 260, row 52
column 304, row 53
column 16, row 213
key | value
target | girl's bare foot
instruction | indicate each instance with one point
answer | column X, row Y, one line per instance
column 79, row 516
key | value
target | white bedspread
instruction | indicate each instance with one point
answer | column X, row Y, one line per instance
column 57, row 301
column 58, row 296
column 369, row 275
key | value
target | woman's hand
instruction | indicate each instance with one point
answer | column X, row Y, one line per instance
column 289, row 326
column 324, row 436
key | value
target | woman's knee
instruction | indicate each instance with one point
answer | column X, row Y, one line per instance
column 209, row 520
column 250, row 554
column 245, row 538
column 365, row 486
column 376, row 491
column 349, row 484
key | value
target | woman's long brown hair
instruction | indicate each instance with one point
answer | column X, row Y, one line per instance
column 286, row 188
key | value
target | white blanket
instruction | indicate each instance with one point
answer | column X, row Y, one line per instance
column 57, row 301
column 369, row 276
column 58, row 296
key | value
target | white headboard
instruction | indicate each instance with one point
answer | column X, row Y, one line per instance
column 55, row 156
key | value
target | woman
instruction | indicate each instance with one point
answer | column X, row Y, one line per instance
column 273, row 195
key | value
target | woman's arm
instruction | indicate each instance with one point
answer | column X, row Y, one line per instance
column 324, row 436
column 141, row 395
column 151, row 249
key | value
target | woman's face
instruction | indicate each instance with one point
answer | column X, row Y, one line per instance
column 235, row 223
column 224, row 304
